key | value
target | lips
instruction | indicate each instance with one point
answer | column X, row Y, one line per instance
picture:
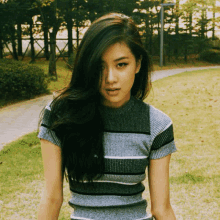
column 112, row 91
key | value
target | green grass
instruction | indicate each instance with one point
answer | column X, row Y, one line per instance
column 192, row 100
column 64, row 74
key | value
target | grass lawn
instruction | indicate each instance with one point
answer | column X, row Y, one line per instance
column 64, row 73
column 192, row 100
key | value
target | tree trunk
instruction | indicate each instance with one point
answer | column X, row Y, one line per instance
column 185, row 53
column 158, row 30
column 15, row 55
column 213, row 22
column 147, row 29
column 77, row 25
column 70, row 38
column 46, row 44
column 52, row 61
column 19, row 33
column 1, row 45
column 190, row 25
column 203, row 24
column 32, row 42
column 69, row 29
column 151, row 35
column 176, row 49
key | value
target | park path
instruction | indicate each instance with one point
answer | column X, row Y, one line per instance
column 22, row 118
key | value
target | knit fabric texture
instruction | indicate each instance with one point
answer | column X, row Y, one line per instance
column 133, row 134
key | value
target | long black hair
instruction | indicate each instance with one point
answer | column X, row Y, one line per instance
column 75, row 116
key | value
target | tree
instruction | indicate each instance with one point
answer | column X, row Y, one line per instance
column 57, row 20
column 54, row 18
column 177, row 15
column 15, row 13
column 10, row 16
column 96, row 8
column 215, row 20
column 74, row 16
column 2, row 28
column 146, row 16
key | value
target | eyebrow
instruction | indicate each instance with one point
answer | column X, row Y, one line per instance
column 120, row 58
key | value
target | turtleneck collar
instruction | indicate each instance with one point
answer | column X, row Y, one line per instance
column 126, row 107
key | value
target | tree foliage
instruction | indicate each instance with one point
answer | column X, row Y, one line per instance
column 189, row 18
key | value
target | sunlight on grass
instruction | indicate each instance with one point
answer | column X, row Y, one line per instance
column 192, row 100
column 63, row 73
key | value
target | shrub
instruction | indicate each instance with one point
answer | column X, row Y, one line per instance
column 211, row 55
column 21, row 81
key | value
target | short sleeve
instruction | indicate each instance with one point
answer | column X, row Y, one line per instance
column 163, row 142
column 44, row 131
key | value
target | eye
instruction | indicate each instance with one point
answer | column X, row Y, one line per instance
column 121, row 65
column 102, row 68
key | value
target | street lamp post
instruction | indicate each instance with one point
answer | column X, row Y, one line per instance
column 161, row 32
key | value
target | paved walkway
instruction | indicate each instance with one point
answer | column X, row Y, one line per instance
column 22, row 118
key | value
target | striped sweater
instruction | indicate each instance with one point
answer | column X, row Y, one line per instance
column 133, row 134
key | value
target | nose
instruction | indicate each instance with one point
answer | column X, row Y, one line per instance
column 110, row 76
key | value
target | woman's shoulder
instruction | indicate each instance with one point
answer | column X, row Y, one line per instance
column 154, row 113
column 48, row 105
column 159, row 121
column 158, row 115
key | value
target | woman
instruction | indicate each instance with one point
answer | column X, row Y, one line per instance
column 101, row 134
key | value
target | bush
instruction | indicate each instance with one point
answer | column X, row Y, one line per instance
column 211, row 55
column 21, row 81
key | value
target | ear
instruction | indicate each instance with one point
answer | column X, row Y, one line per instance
column 138, row 65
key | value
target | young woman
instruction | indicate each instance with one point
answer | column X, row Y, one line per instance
column 101, row 134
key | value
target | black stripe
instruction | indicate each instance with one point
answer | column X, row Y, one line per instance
column 136, row 120
column 126, row 166
column 46, row 117
column 131, row 174
column 164, row 138
column 44, row 125
column 106, row 189
column 128, row 132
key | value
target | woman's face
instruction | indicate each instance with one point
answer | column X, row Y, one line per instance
column 119, row 67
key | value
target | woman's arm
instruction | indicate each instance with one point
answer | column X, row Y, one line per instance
column 52, row 197
column 158, row 177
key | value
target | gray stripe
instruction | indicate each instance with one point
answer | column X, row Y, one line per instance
column 125, row 144
column 103, row 201
column 163, row 151
column 49, row 135
column 130, row 212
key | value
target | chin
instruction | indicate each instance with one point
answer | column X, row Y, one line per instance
column 114, row 102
